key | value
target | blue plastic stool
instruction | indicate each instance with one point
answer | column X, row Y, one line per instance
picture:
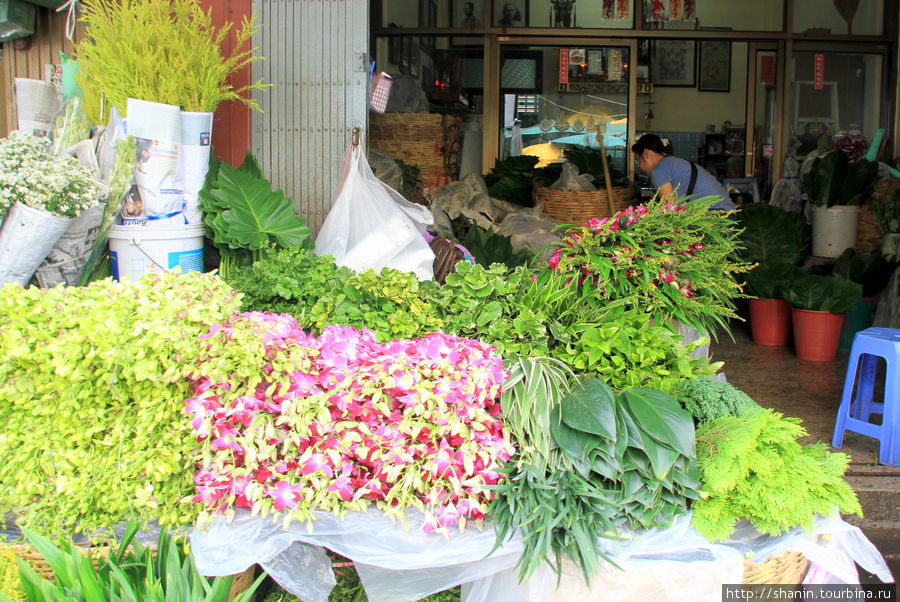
column 854, row 411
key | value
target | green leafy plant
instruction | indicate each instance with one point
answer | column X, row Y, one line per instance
column 92, row 394
column 287, row 281
column 836, row 180
column 823, row 293
column 512, row 179
column 487, row 303
column 410, row 177
column 167, row 52
column 752, row 467
column 708, row 399
column 770, row 280
column 625, row 459
column 317, row 292
column 131, row 571
column 244, row 216
column 772, row 235
column 871, row 270
column 489, row 247
column 387, row 302
column 630, row 350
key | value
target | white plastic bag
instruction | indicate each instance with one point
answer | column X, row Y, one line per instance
column 372, row 226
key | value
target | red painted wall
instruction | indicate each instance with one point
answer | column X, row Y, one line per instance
column 231, row 123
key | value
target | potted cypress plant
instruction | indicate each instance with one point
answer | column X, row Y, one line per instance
column 836, row 187
column 818, row 304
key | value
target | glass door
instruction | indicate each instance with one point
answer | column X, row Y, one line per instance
column 762, row 98
column 556, row 99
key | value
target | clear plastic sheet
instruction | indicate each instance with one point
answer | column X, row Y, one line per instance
column 398, row 562
column 395, row 561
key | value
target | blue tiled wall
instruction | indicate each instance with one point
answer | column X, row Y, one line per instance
column 684, row 144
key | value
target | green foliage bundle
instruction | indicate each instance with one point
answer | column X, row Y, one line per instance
column 708, row 399
column 630, row 351
column 871, row 270
column 837, row 180
column 488, row 247
column 163, row 51
column 487, row 304
column 752, row 467
column 609, row 460
column 769, row 234
column 770, row 280
column 243, row 215
column 823, row 293
column 317, row 292
column 674, row 262
column 92, row 393
column 131, row 572
column 512, row 179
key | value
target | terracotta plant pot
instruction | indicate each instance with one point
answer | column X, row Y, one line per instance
column 770, row 321
column 816, row 334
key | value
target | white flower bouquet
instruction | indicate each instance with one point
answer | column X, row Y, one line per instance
column 31, row 175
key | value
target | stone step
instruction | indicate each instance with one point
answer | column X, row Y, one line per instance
column 879, row 496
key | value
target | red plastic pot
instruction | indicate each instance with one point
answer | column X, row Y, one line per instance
column 816, row 334
column 770, row 321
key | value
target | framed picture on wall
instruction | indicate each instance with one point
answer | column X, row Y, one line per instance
column 672, row 63
column 467, row 14
column 714, row 71
column 511, row 14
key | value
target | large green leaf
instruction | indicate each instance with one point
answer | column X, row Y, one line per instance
column 772, row 235
column 823, row 293
column 661, row 416
column 590, row 408
column 574, row 443
column 826, row 178
column 247, row 213
column 662, row 458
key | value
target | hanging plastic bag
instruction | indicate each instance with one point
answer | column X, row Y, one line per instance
column 370, row 226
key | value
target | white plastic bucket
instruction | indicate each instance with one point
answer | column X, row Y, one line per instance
column 137, row 250
column 834, row 229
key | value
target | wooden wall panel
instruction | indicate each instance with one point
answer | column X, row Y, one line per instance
column 231, row 123
column 26, row 57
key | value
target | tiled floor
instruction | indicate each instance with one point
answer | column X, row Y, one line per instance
column 775, row 377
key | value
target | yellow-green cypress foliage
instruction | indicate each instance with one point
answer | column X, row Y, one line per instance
column 10, row 584
column 163, row 51
column 754, row 468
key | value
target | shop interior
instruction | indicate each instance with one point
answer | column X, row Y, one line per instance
column 736, row 86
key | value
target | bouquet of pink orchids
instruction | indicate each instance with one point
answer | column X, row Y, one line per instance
column 290, row 423
column 673, row 261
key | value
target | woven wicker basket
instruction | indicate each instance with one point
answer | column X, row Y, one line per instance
column 785, row 568
column 416, row 139
column 868, row 236
column 240, row 583
column 573, row 207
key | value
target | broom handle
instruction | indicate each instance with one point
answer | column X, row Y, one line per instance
column 609, row 190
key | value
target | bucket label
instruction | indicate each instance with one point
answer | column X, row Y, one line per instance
column 187, row 260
